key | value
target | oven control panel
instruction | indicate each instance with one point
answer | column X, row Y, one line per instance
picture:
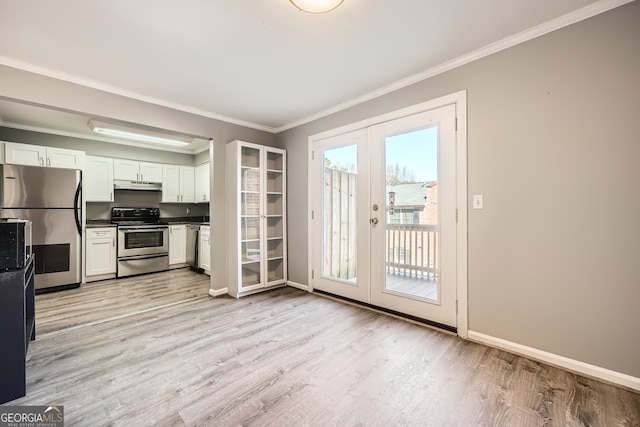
column 145, row 215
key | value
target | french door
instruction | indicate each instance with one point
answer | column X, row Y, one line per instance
column 384, row 215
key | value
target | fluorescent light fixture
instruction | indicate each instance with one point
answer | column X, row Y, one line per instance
column 137, row 134
column 316, row 6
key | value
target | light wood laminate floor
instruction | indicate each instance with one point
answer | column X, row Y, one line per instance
column 156, row 350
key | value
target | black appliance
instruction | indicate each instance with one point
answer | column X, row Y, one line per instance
column 15, row 243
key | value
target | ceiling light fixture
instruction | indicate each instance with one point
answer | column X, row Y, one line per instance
column 316, row 6
column 136, row 134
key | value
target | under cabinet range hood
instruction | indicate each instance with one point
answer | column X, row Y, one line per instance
column 120, row 184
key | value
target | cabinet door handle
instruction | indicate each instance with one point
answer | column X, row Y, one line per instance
column 48, row 161
column 178, row 198
column 113, row 243
column 137, row 177
column 111, row 197
column 141, row 177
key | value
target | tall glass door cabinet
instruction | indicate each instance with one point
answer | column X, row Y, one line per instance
column 256, row 213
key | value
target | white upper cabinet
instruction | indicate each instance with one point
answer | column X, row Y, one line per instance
column 35, row 155
column 131, row 170
column 66, row 159
column 150, row 172
column 24, row 154
column 128, row 170
column 98, row 179
column 202, row 183
column 178, row 184
column 187, row 184
column 171, row 183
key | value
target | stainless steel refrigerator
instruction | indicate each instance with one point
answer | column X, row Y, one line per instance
column 51, row 199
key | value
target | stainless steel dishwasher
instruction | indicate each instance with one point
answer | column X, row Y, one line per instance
column 193, row 231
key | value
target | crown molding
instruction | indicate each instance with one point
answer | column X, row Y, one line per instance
column 532, row 33
column 81, row 81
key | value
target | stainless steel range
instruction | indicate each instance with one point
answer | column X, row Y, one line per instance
column 143, row 241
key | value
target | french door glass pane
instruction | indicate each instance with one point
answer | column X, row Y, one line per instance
column 339, row 213
column 411, row 206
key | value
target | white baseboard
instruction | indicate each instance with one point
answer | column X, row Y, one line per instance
column 576, row 366
column 218, row 292
column 298, row 285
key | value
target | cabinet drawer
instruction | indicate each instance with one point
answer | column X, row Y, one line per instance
column 100, row 233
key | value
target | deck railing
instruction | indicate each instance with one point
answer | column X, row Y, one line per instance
column 412, row 250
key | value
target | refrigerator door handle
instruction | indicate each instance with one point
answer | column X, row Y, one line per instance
column 77, row 209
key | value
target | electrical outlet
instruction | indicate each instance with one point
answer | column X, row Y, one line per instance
column 478, row 201
column 188, row 211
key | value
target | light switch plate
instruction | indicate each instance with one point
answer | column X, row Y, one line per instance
column 478, row 201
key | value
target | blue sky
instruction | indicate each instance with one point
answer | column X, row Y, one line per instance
column 416, row 150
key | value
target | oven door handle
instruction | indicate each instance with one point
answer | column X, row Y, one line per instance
column 127, row 230
column 137, row 257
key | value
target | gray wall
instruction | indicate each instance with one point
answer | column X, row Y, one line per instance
column 47, row 92
column 553, row 145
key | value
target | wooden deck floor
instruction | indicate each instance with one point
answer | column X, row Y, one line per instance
column 416, row 286
column 156, row 350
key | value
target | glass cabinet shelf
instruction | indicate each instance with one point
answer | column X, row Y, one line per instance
column 256, row 211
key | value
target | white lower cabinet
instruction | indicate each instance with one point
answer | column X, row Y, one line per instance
column 205, row 249
column 101, row 253
column 177, row 245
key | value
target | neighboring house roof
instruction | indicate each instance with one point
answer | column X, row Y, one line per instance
column 410, row 194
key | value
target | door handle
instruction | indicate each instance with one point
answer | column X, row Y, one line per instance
column 374, row 221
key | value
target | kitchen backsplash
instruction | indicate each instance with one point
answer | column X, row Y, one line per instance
column 147, row 199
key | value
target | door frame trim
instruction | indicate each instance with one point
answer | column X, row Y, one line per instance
column 459, row 99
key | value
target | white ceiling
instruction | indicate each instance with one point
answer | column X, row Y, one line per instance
column 261, row 63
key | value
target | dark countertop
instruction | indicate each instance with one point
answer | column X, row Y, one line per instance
column 95, row 223
column 186, row 220
column 200, row 220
